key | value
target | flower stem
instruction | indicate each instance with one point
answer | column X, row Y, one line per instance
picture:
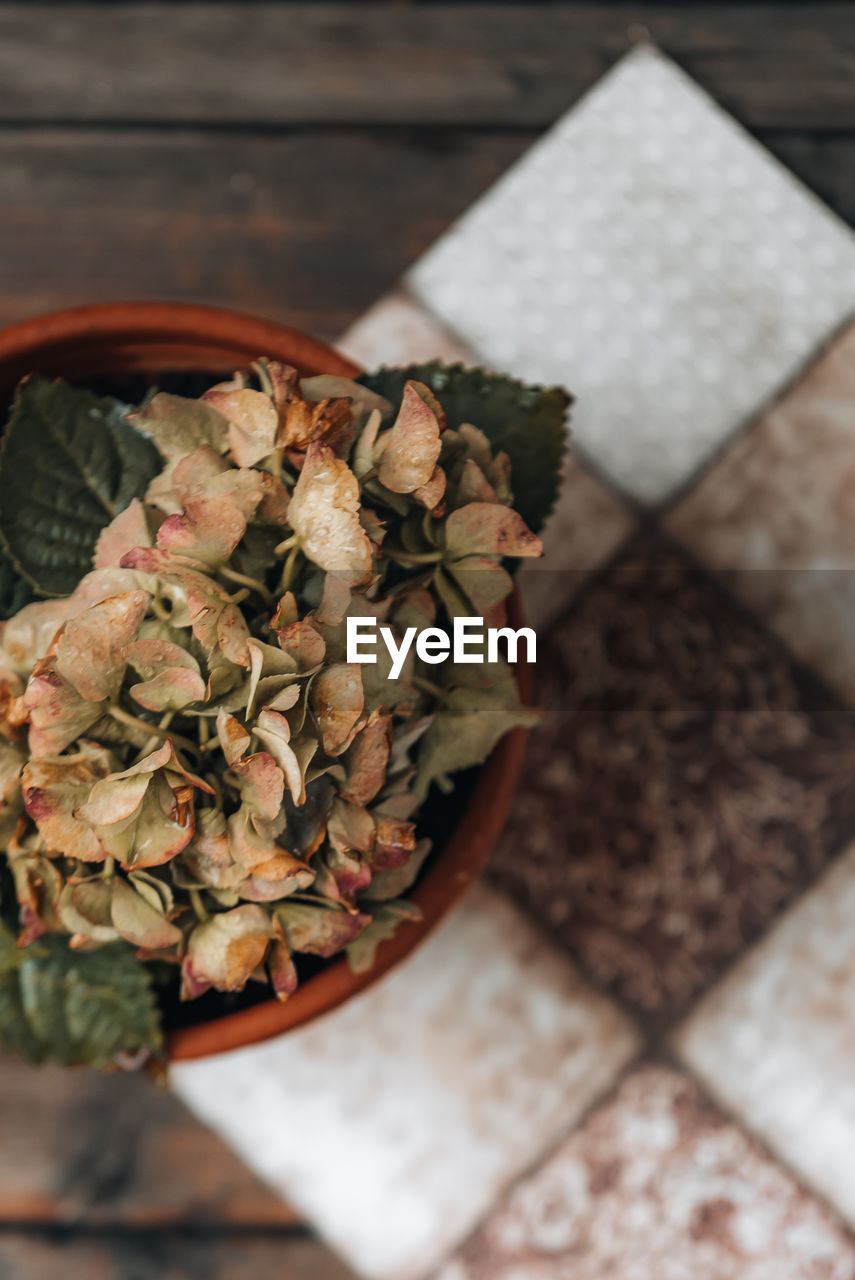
column 286, row 545
column 134, row 722
column 198, row 905
column 288, row 569
column 244, row 580
column 408, row 557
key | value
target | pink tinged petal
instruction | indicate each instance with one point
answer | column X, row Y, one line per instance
column 368, row 759
column 159, row 831
column 90, row 651
column 232, row 636
column 151, row 656
column 324, row 515
column 302, row 642
column 262, row 784
column 253, row 422
column 212, row 838
column 113, row 800
column 198, row 471
column 431, row 493
column 277, row 878
column 335, row 600
column 53, row 791
column 170, row 690
column 283, row 700
column 127, row 530
column 411, row 448
column 337, row 700
column 280, row 966
column 209, row 529
column 319, row 931
column 234, row 738
column 473, row 485
column 350, row 872
column 56, row 712
column 274, row 732
column 394, row 843
column 138, row 921
column 225, row 950
column 486, row 528
column 285, row 612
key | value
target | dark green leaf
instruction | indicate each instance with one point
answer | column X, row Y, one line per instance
column 75, row 1007
column 69, row 463
column 527, row 422
column 15, row 591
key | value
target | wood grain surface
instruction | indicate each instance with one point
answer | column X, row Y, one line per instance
column 292, row 159
column 399, row 64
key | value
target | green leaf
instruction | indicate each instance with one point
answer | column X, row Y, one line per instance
column 385, row 919
column 15, row 591
column 481, row 705
column 527, row 422
column 75, row 1007
column 69, row 463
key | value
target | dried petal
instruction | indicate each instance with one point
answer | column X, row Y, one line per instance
column 253, row 422
column 318, row 931
column 54, row 789
column 337, row 701
column 90, row 650
column 485, row 528
column 324, row 515
column 224, row 951
column 411, row 448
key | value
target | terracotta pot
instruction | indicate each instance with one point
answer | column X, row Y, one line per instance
column 153, row 338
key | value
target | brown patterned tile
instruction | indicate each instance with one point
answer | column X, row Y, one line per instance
column 657, row 1185
column 776, row 516
column 686, row 783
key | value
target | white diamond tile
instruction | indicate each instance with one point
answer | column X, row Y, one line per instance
column 776, row 1040
column 398, row 330
column 394, row 1122
column 651, row 256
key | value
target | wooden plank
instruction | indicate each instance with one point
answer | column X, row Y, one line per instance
column 156, row 1256
column 304, row 229
column 307, row 229
column 79, row 1146
column 376, row 63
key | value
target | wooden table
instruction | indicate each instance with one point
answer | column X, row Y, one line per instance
column 292, row 160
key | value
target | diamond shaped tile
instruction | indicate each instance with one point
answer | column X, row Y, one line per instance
column 589, row 521
column 686, row 783
column 657, row 1183
column 776, row 516
column 653, row 257
column 394, row 1122
column 776, row 1040
column 398, row 330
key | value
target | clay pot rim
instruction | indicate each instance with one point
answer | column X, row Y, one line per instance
column 156, row 336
